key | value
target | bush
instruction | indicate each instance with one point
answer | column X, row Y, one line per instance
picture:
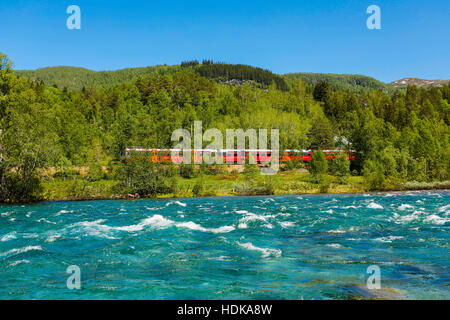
column 187, row 171
column 95, row 172
column 252, row 189
column 318, row 163
column 340, row 166
column 374, row 175
column 324, row 187
column 251, row 170
column 198, row 189
column 66, row 174
column 19, row 186
column 146, row 178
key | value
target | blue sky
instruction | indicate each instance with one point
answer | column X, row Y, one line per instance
column 284, row 36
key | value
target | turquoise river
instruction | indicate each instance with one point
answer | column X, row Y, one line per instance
column 273, row 247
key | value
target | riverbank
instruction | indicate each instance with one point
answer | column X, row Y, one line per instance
column 229, row 184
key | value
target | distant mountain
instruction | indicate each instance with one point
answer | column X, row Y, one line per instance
column 418, row 82
column 342, row 81
column 77, row 78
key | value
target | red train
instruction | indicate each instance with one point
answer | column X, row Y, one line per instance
column 231, row 156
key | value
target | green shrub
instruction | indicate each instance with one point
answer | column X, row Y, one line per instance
column 66, row 174
column 251, row 170
column 374, row 175
column 318, row 163
column 95, row 172
column 146, row 178
column 187, row 171
column 324, row 187
column 197, row 190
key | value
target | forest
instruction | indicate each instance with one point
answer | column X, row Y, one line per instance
column 49, row 132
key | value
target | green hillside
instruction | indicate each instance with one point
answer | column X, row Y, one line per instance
column 77, row 78
column 349, row 82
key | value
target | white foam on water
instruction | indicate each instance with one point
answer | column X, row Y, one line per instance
column 434, row 194
column 408, row 218
column 181, row 204
column 242, row 226
column 30, row 236
column 94, row 228
column 351, row 207
column 155, row 208
column 334, row 245
column 194, row 226
column 374, row 205
column 266, row 200
column 16, row 251
column 444, row 208
column 286, row 224
column 268, row 226
column 64, row 211
column 419, row 201
column 328, row 211
column 388, row 239
column 337, row 231
column 254, row 217
column 266, row 252
column 53, row 237
column 242, row 211
column 405, row 206
column 156, row 221
column 435, row 219
column 15, row 263
column 46, row 221
column 9, row 236
column 283, row 214
column 5, row 214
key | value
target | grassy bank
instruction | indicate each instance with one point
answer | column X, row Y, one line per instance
column 227, row 184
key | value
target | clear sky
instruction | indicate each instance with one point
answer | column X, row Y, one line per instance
column 284, row 36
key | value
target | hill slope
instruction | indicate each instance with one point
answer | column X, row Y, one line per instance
column 77, row 78
column 342, row 81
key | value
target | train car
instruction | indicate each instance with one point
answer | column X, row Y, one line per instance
column 230, row 156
